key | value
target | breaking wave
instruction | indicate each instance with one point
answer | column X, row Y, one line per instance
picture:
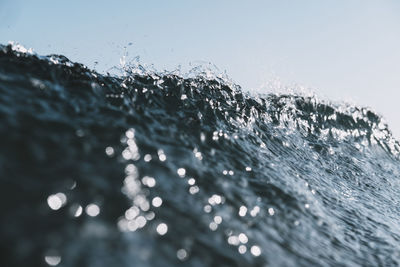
column 150, row 169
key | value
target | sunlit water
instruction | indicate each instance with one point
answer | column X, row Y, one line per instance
column 147, row 169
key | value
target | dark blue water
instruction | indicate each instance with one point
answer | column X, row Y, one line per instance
column 146, row 169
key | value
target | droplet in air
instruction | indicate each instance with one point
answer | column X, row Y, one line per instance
column 181, row 254
column 233, row 240
column 161, row 155
column 92, row 210
column 255, row 211
column 255, row 250
column 194, row 189
column 271, row 211
column 213, row 226
column 243, row 238
column 149, row 181
column 207, row 208
column 56, row 201
column 218, row 219
column 147, row 157
column 109, row 151
column 156, row 202
column 52, row 259
column 162, row 229
column 242, row 211
column 78, row 211
column 181, row 172
column 242, row 249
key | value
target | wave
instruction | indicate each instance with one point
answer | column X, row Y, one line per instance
column 158, row 169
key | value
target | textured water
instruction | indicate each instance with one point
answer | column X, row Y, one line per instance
column 146, row 169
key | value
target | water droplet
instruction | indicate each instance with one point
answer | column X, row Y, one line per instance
column 271, row 211
column 181, row 172
column 147, row 158
column 233, row 240
column 243, row 238
column 130, row 133
column 92, row 210
column 52, row 260
column 162, row 229
column 181, row 254
column 78, row 211
column 140, row 221
column 217, row 219
column 161, row 155
column 194, row 189
column 109, row 151
column 213, row 226
column 255, row 250
column 242, row 211
column 56, row 201
column 207, row 208
column 156, row 202
column 255, row 211
column 191, row 181
column 149, row 181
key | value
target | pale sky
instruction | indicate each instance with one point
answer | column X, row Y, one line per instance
column 343, row 50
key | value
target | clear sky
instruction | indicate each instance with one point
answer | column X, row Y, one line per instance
column 343, row 50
